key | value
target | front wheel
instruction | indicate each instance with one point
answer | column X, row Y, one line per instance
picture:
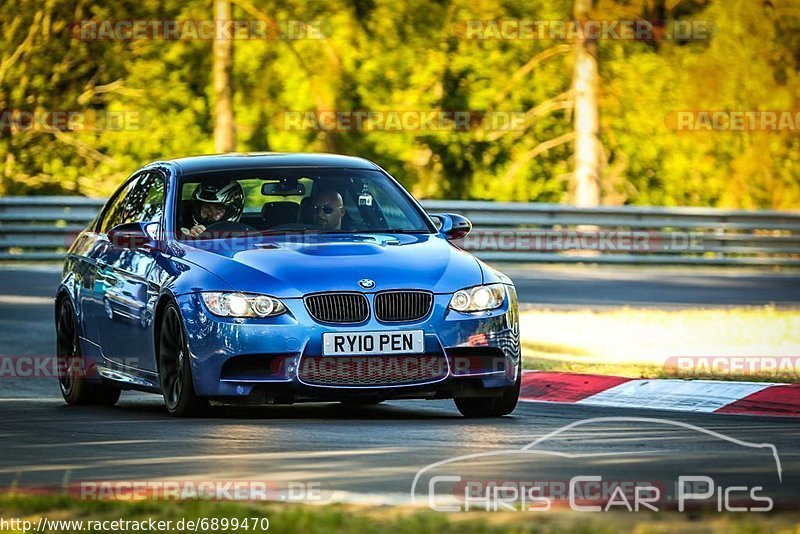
column 174, row 368
column 491, row 406
column 71, row 374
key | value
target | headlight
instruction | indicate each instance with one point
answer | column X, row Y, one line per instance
column 478, row 298
column 241, row 305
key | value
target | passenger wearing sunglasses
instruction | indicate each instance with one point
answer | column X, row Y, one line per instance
column 328, row 209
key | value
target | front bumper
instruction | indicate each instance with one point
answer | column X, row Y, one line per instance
column 264, row 360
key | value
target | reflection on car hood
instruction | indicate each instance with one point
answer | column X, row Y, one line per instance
column 294, row 265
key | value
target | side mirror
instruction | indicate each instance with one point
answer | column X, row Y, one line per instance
column 452, row 225
column 133, row 235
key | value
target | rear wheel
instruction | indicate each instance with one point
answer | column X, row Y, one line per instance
column 174, row 368
column 71, row 376
column 491, row 406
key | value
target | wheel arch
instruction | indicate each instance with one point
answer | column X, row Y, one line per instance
column 167, row 297
column 163, row 300
column 63, row 294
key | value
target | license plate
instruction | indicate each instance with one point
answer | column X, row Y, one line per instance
column 403, row 342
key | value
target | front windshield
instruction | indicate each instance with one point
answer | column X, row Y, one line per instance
column 294, row 200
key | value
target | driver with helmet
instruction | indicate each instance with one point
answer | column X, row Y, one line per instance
column 213, row 203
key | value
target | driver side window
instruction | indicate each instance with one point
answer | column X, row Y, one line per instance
column 145, row 201
column 115, row 210
column 140, row 200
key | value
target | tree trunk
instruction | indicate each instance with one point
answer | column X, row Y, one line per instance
column 586, row 178
column 224, row 131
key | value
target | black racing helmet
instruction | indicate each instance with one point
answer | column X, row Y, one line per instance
column 229, row 195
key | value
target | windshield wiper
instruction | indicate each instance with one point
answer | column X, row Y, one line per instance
column 283, row 232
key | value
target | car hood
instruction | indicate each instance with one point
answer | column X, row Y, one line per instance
column 293, row 266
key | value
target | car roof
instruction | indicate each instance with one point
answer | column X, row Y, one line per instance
column 260, row 160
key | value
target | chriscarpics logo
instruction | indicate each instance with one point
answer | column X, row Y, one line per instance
column 610, row 464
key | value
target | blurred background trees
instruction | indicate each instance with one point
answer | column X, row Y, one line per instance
column 389, row 55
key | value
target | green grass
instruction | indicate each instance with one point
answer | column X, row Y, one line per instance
column 352, row 519
column 638, row 342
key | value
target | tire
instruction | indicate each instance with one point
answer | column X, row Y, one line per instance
column 174, row 367
column 491, row 406
column 75, row 389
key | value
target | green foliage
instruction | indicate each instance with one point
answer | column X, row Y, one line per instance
column 388, row 55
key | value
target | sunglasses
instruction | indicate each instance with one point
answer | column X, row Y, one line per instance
column 327, row 210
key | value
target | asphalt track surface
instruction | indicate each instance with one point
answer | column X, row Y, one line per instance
column 373, row 453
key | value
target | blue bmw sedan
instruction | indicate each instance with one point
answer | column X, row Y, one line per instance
column 281, row 278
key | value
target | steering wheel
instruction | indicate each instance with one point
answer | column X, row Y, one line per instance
column 229, row 228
